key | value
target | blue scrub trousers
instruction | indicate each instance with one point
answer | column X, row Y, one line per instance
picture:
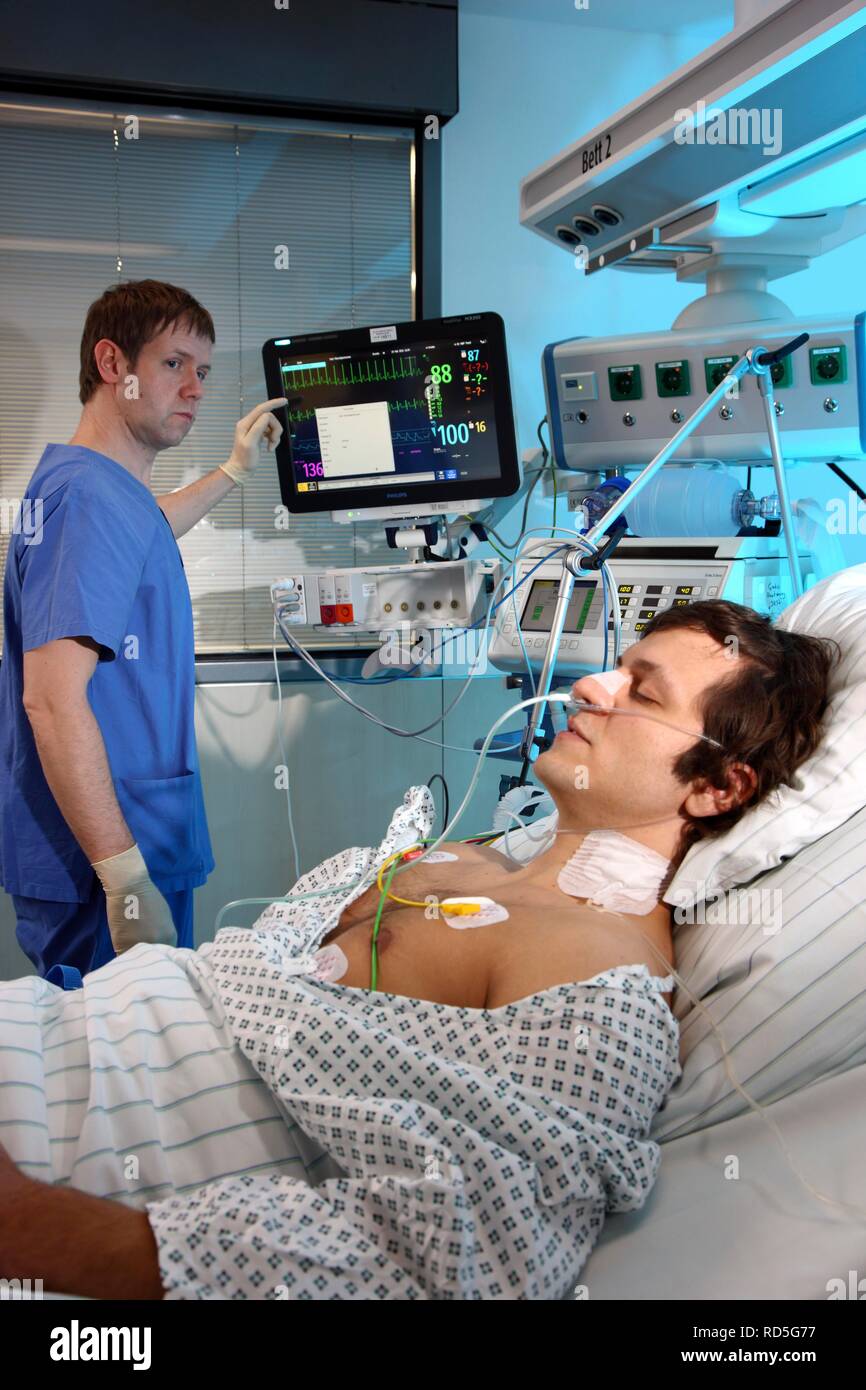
column 67, row 940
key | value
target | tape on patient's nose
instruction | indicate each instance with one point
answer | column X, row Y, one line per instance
column 612, row 681
column 488, row 913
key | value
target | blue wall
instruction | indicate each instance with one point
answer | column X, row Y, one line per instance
column 528, row 87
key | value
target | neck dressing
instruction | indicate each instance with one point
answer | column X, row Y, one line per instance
column 614, row 872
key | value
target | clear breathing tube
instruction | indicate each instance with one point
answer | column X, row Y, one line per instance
column 577, row 706
column 669, row 969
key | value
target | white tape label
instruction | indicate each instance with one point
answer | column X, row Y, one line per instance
column 488, row 913
column 331, row 963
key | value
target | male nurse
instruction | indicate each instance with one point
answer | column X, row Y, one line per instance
column 103, row 835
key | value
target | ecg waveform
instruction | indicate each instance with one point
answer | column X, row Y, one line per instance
column 312, row 447
column 349, row 373
column 295, row 416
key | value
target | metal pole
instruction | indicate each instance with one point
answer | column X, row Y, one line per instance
column 566, row 589
column 765, row 386
column 603, row 525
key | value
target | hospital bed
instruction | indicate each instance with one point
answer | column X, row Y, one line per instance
column 761, row 1236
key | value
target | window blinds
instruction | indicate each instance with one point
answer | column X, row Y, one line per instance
column 275, row 227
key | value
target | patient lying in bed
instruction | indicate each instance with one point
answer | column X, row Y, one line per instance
column 481, row 1111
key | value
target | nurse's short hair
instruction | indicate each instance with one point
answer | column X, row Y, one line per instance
column 131, row 314
column 768, row 713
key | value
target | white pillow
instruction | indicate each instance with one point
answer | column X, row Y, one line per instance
column 783, row 978
column 831, row 785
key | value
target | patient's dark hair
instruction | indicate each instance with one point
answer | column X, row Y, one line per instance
column 767, row 714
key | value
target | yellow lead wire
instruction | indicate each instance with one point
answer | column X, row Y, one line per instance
column 454, row 909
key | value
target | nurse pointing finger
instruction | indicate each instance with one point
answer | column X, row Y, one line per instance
column 103, row 834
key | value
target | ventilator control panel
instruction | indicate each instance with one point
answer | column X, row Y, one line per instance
column 647, row 580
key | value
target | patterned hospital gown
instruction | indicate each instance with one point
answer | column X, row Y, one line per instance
column 481, row 1148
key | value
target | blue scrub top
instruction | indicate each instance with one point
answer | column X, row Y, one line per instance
column 103, row 564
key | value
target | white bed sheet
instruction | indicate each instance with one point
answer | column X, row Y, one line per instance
column 761, row 1236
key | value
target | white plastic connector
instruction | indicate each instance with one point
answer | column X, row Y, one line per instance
column 288, row 600
column 281, row 588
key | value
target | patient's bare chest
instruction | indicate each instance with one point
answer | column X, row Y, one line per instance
column 546, row 938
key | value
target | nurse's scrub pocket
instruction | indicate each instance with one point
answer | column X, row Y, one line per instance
column 161, row 813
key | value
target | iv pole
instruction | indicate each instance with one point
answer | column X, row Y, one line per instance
column 757, row 361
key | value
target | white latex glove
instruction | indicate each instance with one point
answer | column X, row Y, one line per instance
column 249, row 432
column 136, row 909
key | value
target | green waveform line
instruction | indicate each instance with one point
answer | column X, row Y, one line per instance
column 351, row 373
column 296, row 416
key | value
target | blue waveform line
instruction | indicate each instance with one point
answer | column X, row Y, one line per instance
column 421, row 436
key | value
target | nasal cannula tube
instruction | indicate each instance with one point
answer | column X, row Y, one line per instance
column 577, row 706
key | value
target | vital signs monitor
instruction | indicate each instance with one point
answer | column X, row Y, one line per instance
column 406, row 414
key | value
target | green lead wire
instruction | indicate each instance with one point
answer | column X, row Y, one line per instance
column 374, row 960
column 374, row 964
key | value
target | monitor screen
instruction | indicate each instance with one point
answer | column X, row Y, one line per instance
column 584, row 607
column 406, row 414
